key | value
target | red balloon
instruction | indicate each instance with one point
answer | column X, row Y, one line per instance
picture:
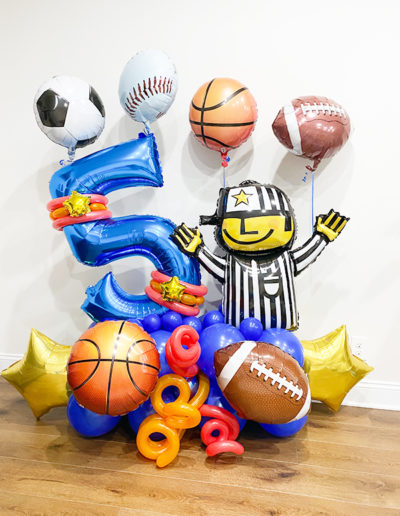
column 312, row 127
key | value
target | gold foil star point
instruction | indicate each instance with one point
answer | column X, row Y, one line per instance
column 172, row 290
column 77, row 204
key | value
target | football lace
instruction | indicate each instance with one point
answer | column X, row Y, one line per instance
column 148, row 88
column 282, row 381
column 324, row 108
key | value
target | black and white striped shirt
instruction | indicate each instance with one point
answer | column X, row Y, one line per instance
column 262, row 288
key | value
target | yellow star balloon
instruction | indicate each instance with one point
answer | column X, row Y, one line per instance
column 41, row 375
column 172, row 290
column 332, row 368
column 77, row 204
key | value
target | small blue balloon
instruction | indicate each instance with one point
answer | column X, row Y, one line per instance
column 171, row 320
column 220, row 308
column 152, row 323
column 286, row 429
column 88, row 423
column 217, row 399
column 213, row 338
column 136, row 417
column 286, row 341
column 194, row 322
column 251, row 328
column 160, row 337
column 213, row 317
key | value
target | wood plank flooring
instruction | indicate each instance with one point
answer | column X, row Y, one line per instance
column 346, row 463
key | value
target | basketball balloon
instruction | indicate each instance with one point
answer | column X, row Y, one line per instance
column 222, row 114
column 113, row 367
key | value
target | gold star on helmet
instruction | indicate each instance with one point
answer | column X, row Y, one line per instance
column 77, row 204
column 172, row 290
column 242, row 196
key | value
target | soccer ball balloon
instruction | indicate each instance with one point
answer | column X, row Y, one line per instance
column 69, row 111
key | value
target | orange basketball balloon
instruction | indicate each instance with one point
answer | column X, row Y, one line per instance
column 113, row 367
column 223, row 114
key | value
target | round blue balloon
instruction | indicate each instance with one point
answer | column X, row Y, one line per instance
column 194, row 322
column 136, row 417
column 286, row 429
column 286, row 341
column 89, row 423
column 212, row 317
column 211, row 340
column 251, row 328
column 171, row 320
column 152, row 323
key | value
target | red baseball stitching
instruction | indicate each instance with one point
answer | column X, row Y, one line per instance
column 148, row 88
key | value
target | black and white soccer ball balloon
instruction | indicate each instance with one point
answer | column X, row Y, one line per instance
column 69, row 111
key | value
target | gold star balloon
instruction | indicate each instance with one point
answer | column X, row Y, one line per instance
column 41, row 375
column 77, row 204
column 332, row 368
column 172, row 290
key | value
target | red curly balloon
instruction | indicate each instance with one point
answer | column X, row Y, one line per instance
column 182, row 351
column 227, row 427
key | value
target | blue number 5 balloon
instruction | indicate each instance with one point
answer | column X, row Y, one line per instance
column 134, row 163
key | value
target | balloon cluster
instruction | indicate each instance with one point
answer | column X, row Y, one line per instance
column 149, row 356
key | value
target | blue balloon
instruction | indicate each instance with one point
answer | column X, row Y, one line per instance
column 160, row 337
column 286, row 429
column 285, row 340
column 171, row 320
column 212, row 317
column 89, row 423
column 217, row 399
column 194, row 322
column 132, row 163
column 136, row 417
column 103, row 241
column 213, row 338
column 151, row 323
column 251, row 328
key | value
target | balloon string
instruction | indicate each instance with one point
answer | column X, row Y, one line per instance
column 223, row 175
column 312, row 202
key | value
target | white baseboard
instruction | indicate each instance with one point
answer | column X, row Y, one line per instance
column 369, row 394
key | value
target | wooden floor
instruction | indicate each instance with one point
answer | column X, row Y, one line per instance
column 345, row 463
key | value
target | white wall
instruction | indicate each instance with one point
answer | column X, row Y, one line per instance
column 346, row 50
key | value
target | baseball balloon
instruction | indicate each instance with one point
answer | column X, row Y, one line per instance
column 148, row 85
column 312, row 127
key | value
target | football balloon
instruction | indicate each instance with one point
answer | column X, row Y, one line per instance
column 312, row 127
column 69, row 111
column 262, row 382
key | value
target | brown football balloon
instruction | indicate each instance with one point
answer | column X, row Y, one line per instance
column 312, row 127
column 262, row 382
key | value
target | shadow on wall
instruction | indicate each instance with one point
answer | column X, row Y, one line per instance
column 333, row 174
column 206, row 165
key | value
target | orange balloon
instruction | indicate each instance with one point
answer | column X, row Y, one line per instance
column 223, row 114
column 113, row 367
